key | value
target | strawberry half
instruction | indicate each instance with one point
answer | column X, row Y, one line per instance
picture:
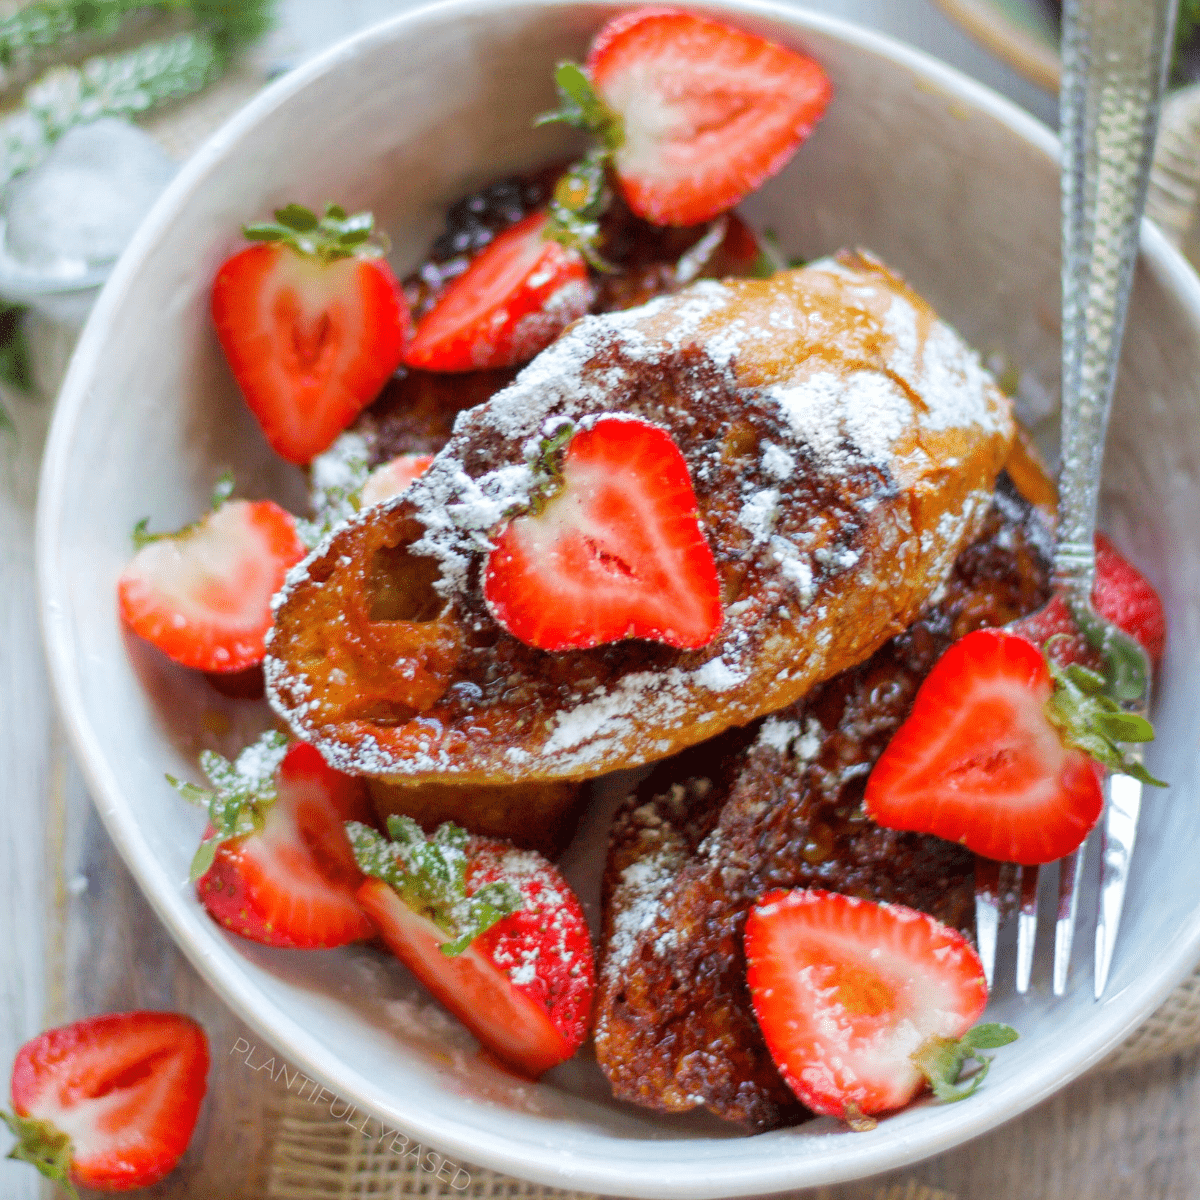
column 203, row 595
column 109, row 1102
column 1121, row 594
column 507, row 306
column 313, row 323
column 864, row 1004
column 979, row 761
column 392, row 477
column 708, row 112
column 494, row 933
column 275, row 865
column 615, row 551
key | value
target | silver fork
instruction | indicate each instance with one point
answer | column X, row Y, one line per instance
column 1114, row 57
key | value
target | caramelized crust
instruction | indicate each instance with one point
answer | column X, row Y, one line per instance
column 843, row 444
column 778, row 805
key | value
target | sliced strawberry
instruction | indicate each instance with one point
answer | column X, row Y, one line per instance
column 615, row 552
column 863, row 1004
column 1121, row 594
column 109, row 1102
column 979, row 762
column 203, row 595
column 494, row 933
column 507, row 306
column 708, row 111
column 275, row 865
column 312, row 323
column 392, row 477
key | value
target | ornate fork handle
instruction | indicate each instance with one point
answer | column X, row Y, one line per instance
column 1114, row 58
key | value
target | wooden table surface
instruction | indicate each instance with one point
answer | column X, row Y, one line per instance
column 77, row 937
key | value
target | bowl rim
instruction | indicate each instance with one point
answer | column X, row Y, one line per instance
column 696, row 1178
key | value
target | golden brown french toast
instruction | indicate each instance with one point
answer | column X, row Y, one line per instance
column 843, row 445
column 778, row 805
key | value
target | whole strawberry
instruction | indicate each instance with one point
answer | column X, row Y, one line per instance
column 495, row 933
column 109, row 1102
column 313, row 322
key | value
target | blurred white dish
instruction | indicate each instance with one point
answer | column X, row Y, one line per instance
column 944, row 180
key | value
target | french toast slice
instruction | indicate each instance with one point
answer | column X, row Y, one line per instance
column 842, row 442
column 778, row 805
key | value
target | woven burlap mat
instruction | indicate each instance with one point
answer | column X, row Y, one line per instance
column 316, row 1157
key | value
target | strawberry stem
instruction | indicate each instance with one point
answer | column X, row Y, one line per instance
column 941, row 1060
column 430, row 876
column 45, row 1146
column 547, row 472
column 328, row 238
column 582, row 195
column 242, row 795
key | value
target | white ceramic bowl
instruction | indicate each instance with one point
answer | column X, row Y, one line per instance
column 947, row 182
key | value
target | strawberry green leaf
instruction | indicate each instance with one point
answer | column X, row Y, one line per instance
column 332, row 236
column 941, row 1060
column 45, row 1146
column 580, row 107
column 142, row 536
column 222, row 490
column 989, row 1036
column 241, row 796
column 297, row 217
column 429, row 875
column 1089, row 718
column 770, row 256
column 580, row 198
column 547, row 472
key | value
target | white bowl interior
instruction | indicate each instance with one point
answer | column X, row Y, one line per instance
column 947, row 183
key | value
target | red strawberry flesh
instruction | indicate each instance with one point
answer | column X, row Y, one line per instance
column 618, row 552
column 513, row 300
column 978, row 762
column 709, row 111
column 125, row 1087
column 310, row 342
column 845, row 990
column 203, row 596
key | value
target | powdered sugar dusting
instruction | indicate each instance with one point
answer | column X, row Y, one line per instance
column 637, row 904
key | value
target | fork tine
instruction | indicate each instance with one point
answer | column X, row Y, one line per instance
column 1124, row 802
column 1070, row 872
column 1026, row 926
column 987, row 913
